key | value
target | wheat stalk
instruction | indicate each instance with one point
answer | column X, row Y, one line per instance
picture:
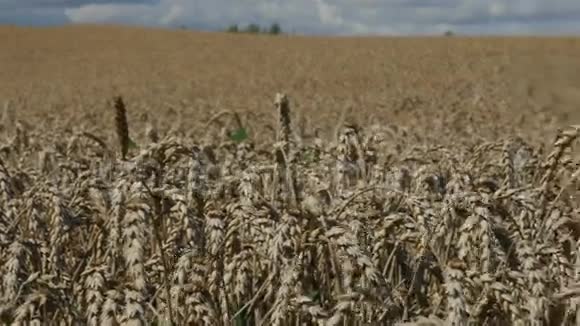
column 121, row 126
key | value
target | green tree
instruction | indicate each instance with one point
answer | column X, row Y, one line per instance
column 275, row 29
column 253, row 28
column 233, row 28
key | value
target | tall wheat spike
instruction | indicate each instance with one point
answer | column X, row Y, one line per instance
column 284, row 128
column 121, row 126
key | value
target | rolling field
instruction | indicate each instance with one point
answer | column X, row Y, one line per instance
column 151, row 176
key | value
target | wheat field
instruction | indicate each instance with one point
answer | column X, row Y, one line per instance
column 158, row 177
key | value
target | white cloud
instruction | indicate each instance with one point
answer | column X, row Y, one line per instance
column 174, row 13
column 104, row 13
column 349, row 16
column 497, row 9
column 328, row 13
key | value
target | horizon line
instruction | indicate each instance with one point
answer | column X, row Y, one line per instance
column 293, row 32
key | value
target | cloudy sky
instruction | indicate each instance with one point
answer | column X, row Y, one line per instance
column 342, row 17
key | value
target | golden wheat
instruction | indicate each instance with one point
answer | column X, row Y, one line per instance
column 440, row 216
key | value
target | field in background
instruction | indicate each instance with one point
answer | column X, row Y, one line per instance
column 401, row 178
column 534, row 81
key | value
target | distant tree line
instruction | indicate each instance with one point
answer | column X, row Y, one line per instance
column 273, row 29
